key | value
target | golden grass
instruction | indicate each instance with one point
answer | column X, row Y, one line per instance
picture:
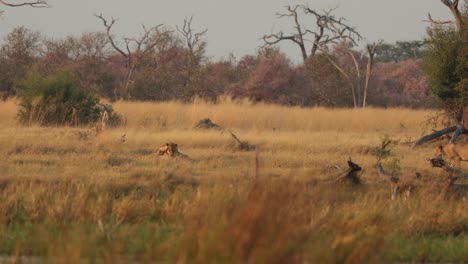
column 94, row 198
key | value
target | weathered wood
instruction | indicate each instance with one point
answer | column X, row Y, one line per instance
column 460, row 130
column 457, row 15
column 435, row 135
column 235, row 138
column 350, row 175
column 243, row 145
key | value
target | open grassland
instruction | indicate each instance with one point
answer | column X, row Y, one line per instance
column 68, row 195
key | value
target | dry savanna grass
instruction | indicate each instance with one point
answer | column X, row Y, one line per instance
column 69, row 195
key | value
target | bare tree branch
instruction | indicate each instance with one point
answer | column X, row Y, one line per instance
column 447, row 2
column 297, row 38
column 135, row 49
column 437, row 22
column 453, row 6
column 335, row 25
column 36, row 4
column 192, row 39
column 327, row 30
column 108, row 25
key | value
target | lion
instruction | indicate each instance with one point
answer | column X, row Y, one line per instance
column 171, row 150
column 457, row 152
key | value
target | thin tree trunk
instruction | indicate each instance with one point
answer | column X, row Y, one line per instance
column 128, row 81
column 359, row 79
column 366, row 85
column 353, row 91
column 460, row 130
column 370, row 64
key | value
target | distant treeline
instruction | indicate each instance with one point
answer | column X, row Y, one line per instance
column 163, row 65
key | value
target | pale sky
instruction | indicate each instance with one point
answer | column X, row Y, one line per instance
column 234, row 26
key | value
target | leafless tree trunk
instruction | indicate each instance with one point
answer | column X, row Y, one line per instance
column 135, row 49
column 370, row 64
column 458, row 130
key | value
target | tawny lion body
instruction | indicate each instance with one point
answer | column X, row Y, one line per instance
column 457, row 152
column 171, row 150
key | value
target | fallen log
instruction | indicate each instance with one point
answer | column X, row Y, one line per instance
column 458, row 129
column 243, row 145
column 350, row 175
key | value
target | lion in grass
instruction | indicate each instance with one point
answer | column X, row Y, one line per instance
column 171, row 150
column 457, row 152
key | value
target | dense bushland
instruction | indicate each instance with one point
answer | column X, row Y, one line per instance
column 171, row 71
column 56, row 100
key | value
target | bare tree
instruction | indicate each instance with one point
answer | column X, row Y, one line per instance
column 193, row 39
column 457, row 16
column 371, row 49
column 327, row 30
column 196, row 51
column 297, row 37
column 134, row 50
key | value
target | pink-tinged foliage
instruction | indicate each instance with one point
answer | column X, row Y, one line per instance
column 410, row 76
column 402, row 83
column 171, row 72
column 275, row 79
column 247, row 63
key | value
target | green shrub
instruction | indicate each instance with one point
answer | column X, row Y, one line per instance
column 385, row 151
column 56, row 100
column 446, row 66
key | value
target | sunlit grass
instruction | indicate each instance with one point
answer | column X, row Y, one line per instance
column 66, row 198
